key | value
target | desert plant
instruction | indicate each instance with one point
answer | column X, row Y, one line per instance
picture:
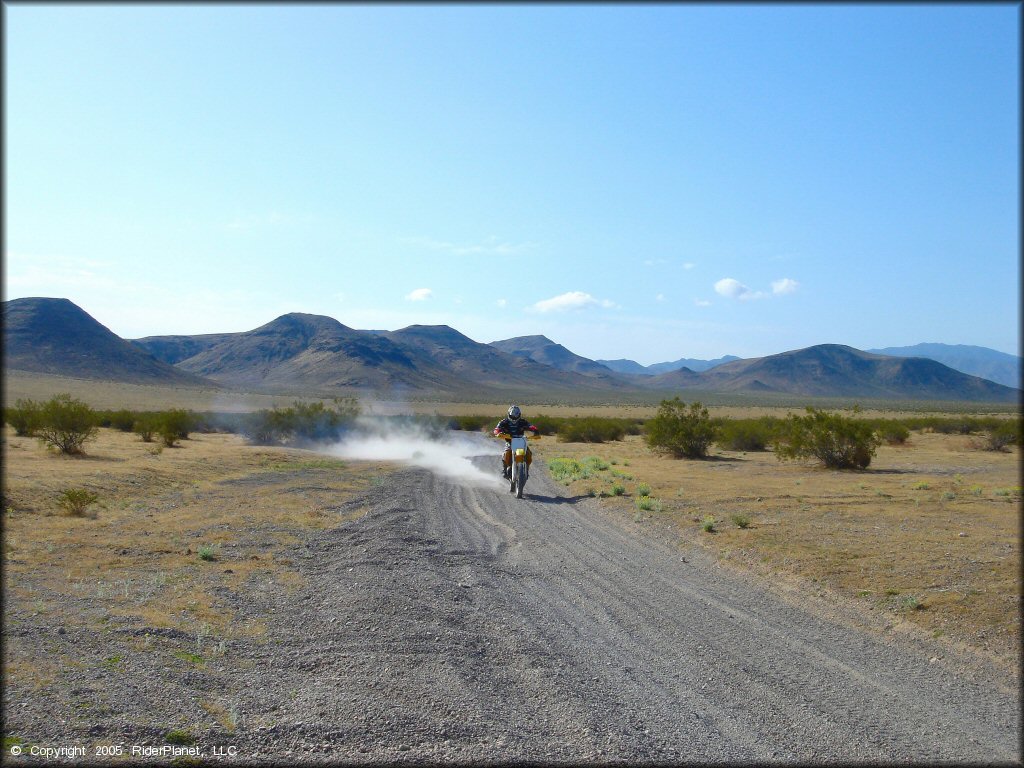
column 746, row 434
column 892, row 432
column 76, row 501
column 999, row 437
column 24, row 417
column 708, row 524
column 66, row 423
column 181, row 737
column 646, row 504
column 207, row 553
column 683, row 432
column 173, row 425
column 741, row 520
column 839, row 442
column 618, row 489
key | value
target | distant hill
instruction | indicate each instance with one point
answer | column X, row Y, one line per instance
column 977, row 361
column 541, row 349
column 293, row 352
column 622, row 365
column 488, row 365
column 830, row 370
column 312, row 354
column 632, row 367
column 51, row 335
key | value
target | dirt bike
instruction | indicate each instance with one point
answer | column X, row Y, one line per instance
column 520, row 469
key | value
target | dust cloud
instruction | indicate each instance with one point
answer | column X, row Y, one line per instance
column 447, row 454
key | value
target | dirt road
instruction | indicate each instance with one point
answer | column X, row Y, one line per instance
column 455, row 623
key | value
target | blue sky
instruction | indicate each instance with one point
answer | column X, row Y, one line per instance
column 650, row 181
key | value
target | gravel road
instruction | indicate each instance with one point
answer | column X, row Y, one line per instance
column 460, row 624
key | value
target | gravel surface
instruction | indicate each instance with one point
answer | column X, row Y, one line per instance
column 460, row 624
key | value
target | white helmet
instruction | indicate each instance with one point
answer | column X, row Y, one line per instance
column 514, row 412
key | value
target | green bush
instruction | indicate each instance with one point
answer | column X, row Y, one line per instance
column 24, row 417
column 66, row 423
column 301, row 423
column 76, row 501
column 1001, row 436
column 839, row 442
column 746, row 434
column 892, row 432
column 122, row 420
column 683, row 432
column 590, row 429
column 146, row 425
column 472, row 423
column 173, row 425
column 741, row 520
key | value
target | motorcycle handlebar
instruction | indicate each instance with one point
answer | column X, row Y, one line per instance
column 507, row 436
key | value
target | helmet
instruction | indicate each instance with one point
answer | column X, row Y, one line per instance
column 514, row 412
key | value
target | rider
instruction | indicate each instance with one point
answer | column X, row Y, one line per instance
column 516, row 426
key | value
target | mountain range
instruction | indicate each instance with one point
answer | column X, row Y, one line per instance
column 312, row 354
column 978, row 361
column 631, row 366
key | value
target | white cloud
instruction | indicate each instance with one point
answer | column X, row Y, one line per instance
column 660, row 297
column 570, row 300
column 689, row 265
column 420, row 294
column 502, row 303
column 784, row 286
column 701, row 303
column 734, row 289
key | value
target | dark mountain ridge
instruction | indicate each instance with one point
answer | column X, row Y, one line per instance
column 304, row 353
column 543, row 350
column 53, row 335
column 977, row 361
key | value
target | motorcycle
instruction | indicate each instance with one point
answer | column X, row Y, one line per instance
column 520, row 469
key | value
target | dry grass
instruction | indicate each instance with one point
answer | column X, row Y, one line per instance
column 946, row 558
column 138, row 561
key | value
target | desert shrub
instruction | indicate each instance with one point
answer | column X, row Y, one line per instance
column 647, row 504
column 683, row 432
column 24, row 417
column 566, row 470
column 146, row 425
column 839, row 442
column 122, row 420
column 741, row 520
column 207, row 553
column 590, row 429
column 300, row 423
column 76, row 501
column 746, row 434
column 1000, row 437
column 892, row 432
column 66, row 423
column 472, row 423
column 173, row 425
column 708, row 524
